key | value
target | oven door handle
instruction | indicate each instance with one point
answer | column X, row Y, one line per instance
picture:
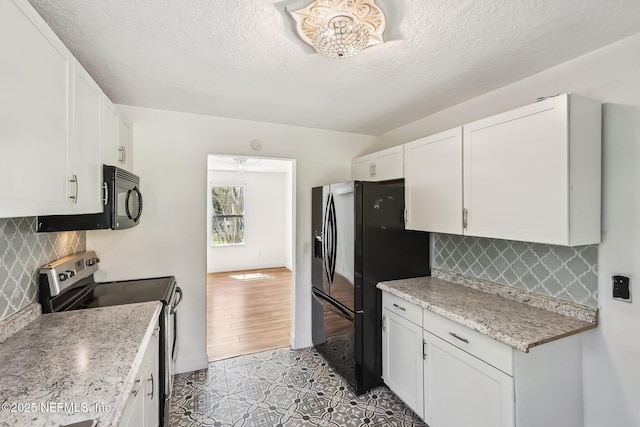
column 175, row 305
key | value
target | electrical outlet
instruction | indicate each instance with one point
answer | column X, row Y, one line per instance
column 621, row 288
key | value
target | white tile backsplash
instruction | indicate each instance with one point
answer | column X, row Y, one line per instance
column 22, row 253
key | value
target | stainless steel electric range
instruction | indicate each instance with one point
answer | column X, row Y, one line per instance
column 68, row 284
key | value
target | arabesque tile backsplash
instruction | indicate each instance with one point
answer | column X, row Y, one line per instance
column 569, row 273
column 22, row 253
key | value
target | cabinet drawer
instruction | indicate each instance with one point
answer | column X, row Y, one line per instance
column 402, row 307
column 481, row 346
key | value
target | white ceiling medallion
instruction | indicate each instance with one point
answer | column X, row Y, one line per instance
column 340, row 28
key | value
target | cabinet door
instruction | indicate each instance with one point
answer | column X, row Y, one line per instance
column 133, row 415
column 389, row 164
column 85, row 171
column 461, row 390
column 362, row 168
column 34, row 114
column 433, row 183
column 109, row 133
column 152, row 397
column 402, row 359
column 125, row 144
column 516, row 174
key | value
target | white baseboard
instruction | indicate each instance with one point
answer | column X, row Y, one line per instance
column 301, row 341
column 188, row 365
column 245, row 267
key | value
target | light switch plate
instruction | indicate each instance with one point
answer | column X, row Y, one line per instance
column 621, row 288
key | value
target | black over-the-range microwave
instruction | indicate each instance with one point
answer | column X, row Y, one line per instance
column 122, row 206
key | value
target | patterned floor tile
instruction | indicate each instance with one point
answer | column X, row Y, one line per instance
column 278, row 388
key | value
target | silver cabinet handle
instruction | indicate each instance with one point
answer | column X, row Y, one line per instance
column 75, row 196
column 464, row 340
column 105, row 197
column 123, row 154
column 384, row 326
column 152, row 386
column 399, row 307
column 136, row 390
column 424, row 351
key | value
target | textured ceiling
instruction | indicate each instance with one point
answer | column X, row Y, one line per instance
column 243, row 59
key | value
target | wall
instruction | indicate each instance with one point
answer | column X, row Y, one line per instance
column 22, row 253
column 265, row 223
column 611, row 352
column 170, row 155
column 562, row 272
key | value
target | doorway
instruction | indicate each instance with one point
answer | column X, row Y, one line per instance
column 250, row 247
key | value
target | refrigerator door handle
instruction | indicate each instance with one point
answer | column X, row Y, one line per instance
column 334, row 236
column 334, row 306
column 325, row 241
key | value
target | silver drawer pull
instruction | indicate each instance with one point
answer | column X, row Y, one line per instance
column 464, row 340
column 399, row 307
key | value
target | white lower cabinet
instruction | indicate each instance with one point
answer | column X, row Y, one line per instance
column 142, row 409
column 402, row 360
column 466, row 378
column 462, row 390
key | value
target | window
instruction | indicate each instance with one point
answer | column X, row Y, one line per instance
column 227, row 221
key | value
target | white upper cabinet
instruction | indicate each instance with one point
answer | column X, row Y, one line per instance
column 109, row 133
column 116, row 143
column 433, row 182
column 85, row 171
column 35, row 114
column 533, row 174
column 125, row 144
column 380, row 166
column 55, row 122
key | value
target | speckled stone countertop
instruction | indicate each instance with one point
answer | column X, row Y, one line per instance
column 518, row 324
column 68, row 367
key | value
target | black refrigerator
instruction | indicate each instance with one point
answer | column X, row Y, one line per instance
column 359, row 240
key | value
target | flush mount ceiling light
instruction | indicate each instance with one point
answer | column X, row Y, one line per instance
column 340, row 28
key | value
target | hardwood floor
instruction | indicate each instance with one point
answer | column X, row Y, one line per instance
column 248, row 311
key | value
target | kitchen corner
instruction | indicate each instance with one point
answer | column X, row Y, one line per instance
column 73, row 366
column 505, row 356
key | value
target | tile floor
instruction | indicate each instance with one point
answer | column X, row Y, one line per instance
column 280, row 387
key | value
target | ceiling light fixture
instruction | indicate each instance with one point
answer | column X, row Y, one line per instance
column 340, row 28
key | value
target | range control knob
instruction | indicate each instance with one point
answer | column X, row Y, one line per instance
column 63, row 276
column 71, row 273
column 92, row 261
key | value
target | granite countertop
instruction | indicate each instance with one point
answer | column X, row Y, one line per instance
column 68, row 367
column 518, row 323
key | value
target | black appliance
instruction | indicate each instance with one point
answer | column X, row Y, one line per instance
column 359, row 240
column 68, row 284
column 122, row 206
